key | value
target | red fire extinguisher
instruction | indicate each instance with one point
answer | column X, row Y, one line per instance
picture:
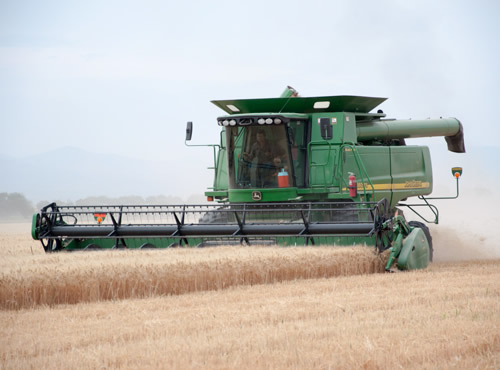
column 353, row 187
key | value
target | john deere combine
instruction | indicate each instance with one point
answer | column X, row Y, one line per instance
column 288, row 171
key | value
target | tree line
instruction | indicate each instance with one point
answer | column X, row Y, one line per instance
column 16, row 207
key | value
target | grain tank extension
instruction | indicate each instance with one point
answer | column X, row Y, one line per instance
column 289, row 171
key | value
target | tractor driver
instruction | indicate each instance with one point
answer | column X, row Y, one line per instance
column 265, row 159
column 261, row 150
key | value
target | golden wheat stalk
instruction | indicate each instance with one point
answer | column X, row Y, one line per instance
column 140, row 276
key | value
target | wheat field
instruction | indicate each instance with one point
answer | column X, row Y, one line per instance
column 30, row 278
column 241, row 308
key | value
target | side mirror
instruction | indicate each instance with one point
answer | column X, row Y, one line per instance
column 189, row 131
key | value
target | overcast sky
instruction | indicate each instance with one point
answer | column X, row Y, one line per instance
column 123, row 77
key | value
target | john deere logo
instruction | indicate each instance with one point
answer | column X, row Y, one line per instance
column 256, row 195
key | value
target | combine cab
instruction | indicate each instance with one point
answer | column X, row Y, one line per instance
column 288, row 171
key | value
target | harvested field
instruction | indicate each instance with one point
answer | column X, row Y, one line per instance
column 447, row 316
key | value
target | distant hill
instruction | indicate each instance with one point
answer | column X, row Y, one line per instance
column 72, row 173
column 69, row 174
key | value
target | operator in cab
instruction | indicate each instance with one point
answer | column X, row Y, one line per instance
column 264, row 160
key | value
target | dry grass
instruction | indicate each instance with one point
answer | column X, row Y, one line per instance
column 30, row 280
column 445, row 317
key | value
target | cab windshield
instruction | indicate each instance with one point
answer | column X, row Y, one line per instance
column 257, row 154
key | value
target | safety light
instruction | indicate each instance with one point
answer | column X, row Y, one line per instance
column 456, row 171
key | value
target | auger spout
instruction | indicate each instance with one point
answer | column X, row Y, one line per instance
column 450, row 128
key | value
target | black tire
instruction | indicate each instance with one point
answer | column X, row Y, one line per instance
column 427, row 233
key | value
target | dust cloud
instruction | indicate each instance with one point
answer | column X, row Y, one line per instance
column 468, row 226
column 455, row 244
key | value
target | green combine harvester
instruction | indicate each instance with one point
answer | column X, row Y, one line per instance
column 288, row 171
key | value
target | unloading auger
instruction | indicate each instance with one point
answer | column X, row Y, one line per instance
column 288, row 171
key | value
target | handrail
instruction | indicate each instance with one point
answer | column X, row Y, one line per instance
column 361, row 168
column 338, row 169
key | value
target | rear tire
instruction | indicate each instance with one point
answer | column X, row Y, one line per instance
column 427, row 233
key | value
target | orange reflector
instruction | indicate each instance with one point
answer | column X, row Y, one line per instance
column 210, row 199
column 99, row 217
